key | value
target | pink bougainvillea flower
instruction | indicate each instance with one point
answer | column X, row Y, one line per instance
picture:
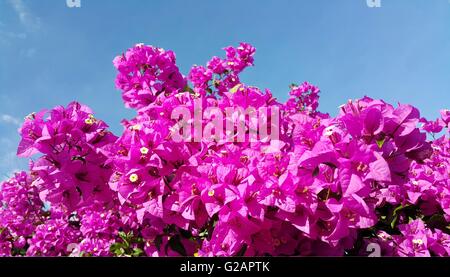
column 290, row 181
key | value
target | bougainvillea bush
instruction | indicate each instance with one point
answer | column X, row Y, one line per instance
column 376, row 174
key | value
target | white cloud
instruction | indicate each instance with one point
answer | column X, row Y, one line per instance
column 28, row 53
column 9, row 162
column 6, row 36
column 9, row 119
column 25, row 16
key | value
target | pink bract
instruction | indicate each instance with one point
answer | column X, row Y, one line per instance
column 327, row 186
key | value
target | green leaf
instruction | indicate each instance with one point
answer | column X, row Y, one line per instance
column 123, row 235
column 395, row 214
column 399, row 208
column 235, row 88
column 380, row 142
column 126, row 244
column 137, row 252
column 204, row 233
column 394, row 221
column 137, row 240
column 117, row 248
column 113, row 247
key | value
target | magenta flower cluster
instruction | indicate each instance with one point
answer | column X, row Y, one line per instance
column 375, row 173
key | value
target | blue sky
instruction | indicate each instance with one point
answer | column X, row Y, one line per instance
column 51, row 54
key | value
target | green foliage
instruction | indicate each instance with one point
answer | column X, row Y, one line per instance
column 129, row 246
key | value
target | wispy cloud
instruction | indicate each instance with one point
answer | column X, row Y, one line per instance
column 9, row 163
column 25, row 16
column 28, row 53
column 9, row 119
column 7, row 36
